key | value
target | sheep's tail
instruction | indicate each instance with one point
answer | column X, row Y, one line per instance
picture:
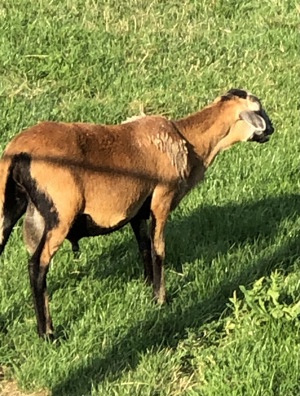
column 13, row 201
column 4, row 174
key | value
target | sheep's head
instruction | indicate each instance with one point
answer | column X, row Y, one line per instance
column 252, row 122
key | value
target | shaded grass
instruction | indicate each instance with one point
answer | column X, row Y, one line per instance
column 100, row 62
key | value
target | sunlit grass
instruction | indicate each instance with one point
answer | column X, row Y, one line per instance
column 101, row 62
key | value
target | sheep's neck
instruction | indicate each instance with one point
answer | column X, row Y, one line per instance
column 205, row 131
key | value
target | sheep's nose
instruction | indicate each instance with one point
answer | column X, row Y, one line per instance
column 270, row 130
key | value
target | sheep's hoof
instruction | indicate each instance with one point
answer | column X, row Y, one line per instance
column 47, row 333
column 160, row 297
column 48, row 337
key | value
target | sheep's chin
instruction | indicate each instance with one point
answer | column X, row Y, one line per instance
column 259, row 138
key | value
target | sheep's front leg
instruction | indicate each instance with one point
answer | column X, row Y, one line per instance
column 140, row 229
column 160, row 209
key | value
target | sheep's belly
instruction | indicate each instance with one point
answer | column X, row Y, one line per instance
column 112, row 213
column 85, row 226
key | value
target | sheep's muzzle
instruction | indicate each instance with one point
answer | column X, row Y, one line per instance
column 263, row 136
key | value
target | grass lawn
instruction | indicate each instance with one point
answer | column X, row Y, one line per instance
column 233, row 248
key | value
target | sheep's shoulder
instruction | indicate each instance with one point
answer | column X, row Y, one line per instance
column 161, row 134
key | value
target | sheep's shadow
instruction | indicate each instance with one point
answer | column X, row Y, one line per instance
column 260, row 219
column 141, row 337
column 205, row 233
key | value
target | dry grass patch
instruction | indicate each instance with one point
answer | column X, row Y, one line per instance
column 10, row 388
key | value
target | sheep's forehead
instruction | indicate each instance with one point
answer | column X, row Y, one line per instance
column 253, row 102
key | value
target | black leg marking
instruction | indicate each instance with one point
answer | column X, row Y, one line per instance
column 37, row 275
column 21, row 173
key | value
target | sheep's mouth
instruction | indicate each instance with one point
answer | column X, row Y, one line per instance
column 260, row 138
column 263, row 136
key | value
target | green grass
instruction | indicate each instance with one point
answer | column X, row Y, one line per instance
column 233, row 268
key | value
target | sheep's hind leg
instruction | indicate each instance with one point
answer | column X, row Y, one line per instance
column 140, row 229
column 56, row 228
column 38, row 268
column 33, row 229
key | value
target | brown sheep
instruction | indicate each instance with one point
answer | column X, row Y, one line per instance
column 81, row 179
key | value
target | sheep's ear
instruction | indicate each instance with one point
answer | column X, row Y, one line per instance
column 254, row 120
